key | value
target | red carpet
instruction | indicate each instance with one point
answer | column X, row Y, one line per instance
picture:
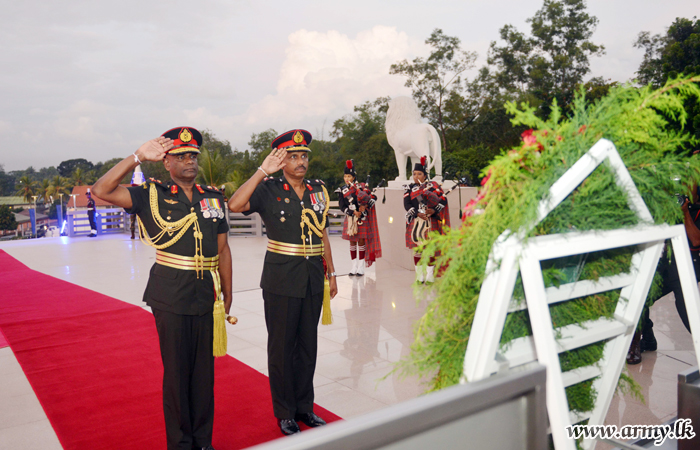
column 3, row 341
column 94, row 364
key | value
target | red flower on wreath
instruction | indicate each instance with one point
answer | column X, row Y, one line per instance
column 486, row 178
column 530, row 139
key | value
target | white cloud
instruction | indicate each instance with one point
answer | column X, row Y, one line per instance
column 325, row 74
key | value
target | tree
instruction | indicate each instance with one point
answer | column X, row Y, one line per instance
column 81, row 177
column 553, row 61
column 215, row 169
column 66, row 168
column 215, row 145
column 437, row 80
column 247, row 162
column 26, row 188
column 362, row 136
column 59, row 185
column 675, row 53
column 44, row 190
column 666, row 57
column 7, row 219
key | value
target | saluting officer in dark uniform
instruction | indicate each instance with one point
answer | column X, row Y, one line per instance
column 184, row 222
column 294, row 211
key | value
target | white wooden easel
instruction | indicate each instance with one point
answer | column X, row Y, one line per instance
column 511, row 254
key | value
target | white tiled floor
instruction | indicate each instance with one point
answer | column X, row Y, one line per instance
column 372, row 329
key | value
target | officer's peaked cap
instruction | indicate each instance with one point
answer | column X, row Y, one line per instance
column 293, row 141
column 185, row 140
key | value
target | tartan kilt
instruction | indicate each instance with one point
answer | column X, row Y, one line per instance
column 435, row 225
column 361, row 230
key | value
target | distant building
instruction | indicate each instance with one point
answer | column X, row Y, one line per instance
column 15, row 202
column 24, row 223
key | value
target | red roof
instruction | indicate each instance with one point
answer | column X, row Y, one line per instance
column 81, row 199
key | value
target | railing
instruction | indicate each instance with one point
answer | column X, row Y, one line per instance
column 108, row 220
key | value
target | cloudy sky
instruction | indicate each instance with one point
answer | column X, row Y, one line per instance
column 95, row 79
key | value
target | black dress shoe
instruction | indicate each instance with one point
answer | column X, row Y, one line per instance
column 634, row 355
column 288, row 426
column 648, row 342
column 310, row 419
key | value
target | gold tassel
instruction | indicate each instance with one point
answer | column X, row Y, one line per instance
column 220, row 339
column 326, row 316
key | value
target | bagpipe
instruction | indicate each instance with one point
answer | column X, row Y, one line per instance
column 365, row 197
column 427, row 199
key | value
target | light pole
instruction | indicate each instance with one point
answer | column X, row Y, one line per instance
column 35, row 197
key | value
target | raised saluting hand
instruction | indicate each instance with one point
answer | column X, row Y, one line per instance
column 274, row 161
column 155, row 149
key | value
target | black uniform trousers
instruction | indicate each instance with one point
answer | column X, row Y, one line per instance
column 186, row 347
column 91, row 219
column 292, row 341
column 672, row 283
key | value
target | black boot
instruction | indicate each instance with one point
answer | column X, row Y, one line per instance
column 648, row 342
column 634, row 355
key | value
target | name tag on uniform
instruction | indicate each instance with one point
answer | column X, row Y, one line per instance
column 211, row 208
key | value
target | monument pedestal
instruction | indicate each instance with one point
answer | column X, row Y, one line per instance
column 391, row 219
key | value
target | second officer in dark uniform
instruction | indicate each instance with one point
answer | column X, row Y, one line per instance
column 294, row 211
column 189, row 286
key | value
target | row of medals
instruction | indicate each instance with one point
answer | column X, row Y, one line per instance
column 213, row 213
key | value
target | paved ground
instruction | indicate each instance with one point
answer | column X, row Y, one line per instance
column 372, row 329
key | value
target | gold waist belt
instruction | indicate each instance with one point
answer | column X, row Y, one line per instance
column 284, row 248
column 186, row 262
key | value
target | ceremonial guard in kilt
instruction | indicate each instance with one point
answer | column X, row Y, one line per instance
column 189, row 287
column 294, row 211
column 356, row 200
column 426, row 210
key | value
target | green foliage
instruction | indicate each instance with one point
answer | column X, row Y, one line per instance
column 67, row 168
column 552, row 62
column 7, row 219
column 637, row 122
column 153, row 169
column 214, row 169
column 81, row 177
column 666, row 57
column 362, row 138
column 26, row 188
column 436, row 80
column 675, row 53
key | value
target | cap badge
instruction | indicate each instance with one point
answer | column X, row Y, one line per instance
column 298, row 137
column 185, row 135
